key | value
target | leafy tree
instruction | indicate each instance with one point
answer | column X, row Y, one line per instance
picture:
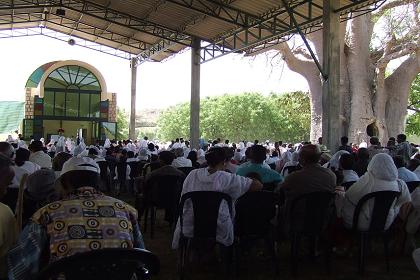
column 413, row 119
column 122, row 124
column 246, row 116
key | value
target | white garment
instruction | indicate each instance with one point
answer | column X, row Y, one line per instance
column 220, row 181
column 350, row 176
column 407, row 175
column 181, row 162
column 284, row 172
column 271, row 160
column 42, row 159
column 176, row 145
column 132, row 160
column 27, row 168
column 381, row 175
column 334, row 162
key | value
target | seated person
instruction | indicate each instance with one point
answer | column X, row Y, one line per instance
column 8, row 225
column 214, row 178
column 58, row 162
column 83, row 220
column 346, row 165
column 40, row 191
column 166, row 169
column 362, row 161
column 294, row 162
column 311, row 178
column 38, row 155
column 192, row 155
column 404, row 173
column 258, row 156
column 345, row 145
column 375, row 147
column 131, row 157
column 93, row 153
column 23, row 165
column 382, row 175
column 232, row 168
column 180, row 160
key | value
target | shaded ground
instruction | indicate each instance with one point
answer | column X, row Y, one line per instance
column 257, row 266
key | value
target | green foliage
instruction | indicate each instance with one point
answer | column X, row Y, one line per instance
column 413, row 119
column 247, row 116
column 122, row 124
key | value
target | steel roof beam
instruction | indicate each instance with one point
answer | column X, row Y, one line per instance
column 106, row 14
column 276, row 25
column 218, row 10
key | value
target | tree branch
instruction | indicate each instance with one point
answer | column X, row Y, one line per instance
column 405, row 73
column 413, row 109
column 390, row 5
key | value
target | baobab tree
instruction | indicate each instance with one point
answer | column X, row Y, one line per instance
column 374, row 96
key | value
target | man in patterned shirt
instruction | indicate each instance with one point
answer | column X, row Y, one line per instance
column 83, row 220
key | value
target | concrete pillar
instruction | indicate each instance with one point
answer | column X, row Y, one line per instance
column 132, row 128
column 195, row 94
column 331, row 124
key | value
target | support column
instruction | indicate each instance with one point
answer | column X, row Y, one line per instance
column 132, row 127
column 195, row 94
column 331, row 122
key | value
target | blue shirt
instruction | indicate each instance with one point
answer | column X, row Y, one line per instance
column 267, row 175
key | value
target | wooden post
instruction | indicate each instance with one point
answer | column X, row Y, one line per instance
column 331, row 123
column 195, row 94
column 132, row 127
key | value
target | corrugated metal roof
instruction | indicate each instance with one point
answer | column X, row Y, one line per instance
column 136, row 26
column 11, row 115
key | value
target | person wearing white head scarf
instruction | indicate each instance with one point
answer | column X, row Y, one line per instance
column 294, row 161
column 107, row 144
column 381, row 175
column 334, row 162
column 285, row 157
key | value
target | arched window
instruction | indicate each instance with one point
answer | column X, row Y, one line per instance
column 72, row 91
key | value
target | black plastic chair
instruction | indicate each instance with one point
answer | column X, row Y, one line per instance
column 290, row 169
column 115, row 263
column 105, row 175
column 186, row 170
column 254, row 212
column 412, row 185
column 136, row 168
column 161, row 192
column 309, row 216
column 347, row 185
column 206, row 205
column 382, row 202
column 122, row 176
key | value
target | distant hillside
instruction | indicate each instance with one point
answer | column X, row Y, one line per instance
column 148, row 117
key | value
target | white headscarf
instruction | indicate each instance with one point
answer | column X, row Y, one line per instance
column 335, row 159
column 107, row 144
column 295, row 157
column 286, row 156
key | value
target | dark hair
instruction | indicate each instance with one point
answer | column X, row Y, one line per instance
column 274, row 154
column 363, row 154
column 229, row 153
column 215, row 156
column 399, row 161
column 130, row 154
column 402, row 137
column 413, row 164
column 59, row 160
column 346, row 161
column 258, row 153
column 80, row 178
column 22, row 155
column 344, row 140
column 93, row 151
column 151, row 146
column 192, row 155
column 310, row 154
column 6, row 149
column 374, row 140
column 166, row 157
column 36, row 146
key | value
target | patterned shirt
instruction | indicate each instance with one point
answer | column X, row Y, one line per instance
column 85, row 220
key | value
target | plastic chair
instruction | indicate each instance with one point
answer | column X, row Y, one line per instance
column 412, row 185
column 186, row 170
column 122, row 176
column 382, row 202
column 309, row 216
column 161, row 192
column 290, row 169
column 206, row 205
column 347, row 185
column 105, row 175
column 254, row 212
column 115, row 263
column 136, row 168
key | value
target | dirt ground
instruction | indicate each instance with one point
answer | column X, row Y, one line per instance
column 257, row 265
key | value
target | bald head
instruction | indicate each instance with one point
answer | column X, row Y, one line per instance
column 309, row 154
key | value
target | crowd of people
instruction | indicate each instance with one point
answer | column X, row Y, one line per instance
column 66, row 209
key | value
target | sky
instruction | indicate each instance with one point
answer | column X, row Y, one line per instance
column 159, row 85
